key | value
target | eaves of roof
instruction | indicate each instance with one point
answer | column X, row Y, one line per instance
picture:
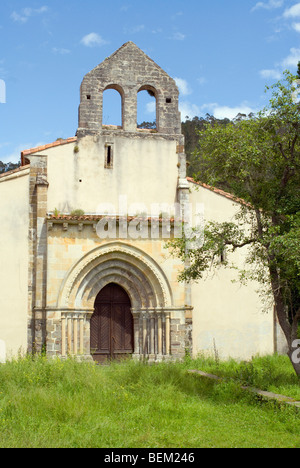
column 227, row 195
column 38, row 149
column 14, row 172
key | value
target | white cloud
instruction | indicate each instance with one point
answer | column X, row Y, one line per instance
column 222, row 112
column 93, row 40
column 188, row 109
column 3, row 71
column 296, row 27
column 292, row 12
column 289, row 62
column 134, row 29
column 26, row 13
column 2, row 92
column 18, row 18
column 183, row 86
column 125, row 7
column 177, row 36
column 292, row 59
column 273, row 74
column 151, row 107
column 157, row 31
column 270, row 5
column 201, row 80
column 176, row 15
column 60, row 51
column 14, row 154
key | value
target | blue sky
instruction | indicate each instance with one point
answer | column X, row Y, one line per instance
column 222, row 53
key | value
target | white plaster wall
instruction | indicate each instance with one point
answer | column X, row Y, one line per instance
column 14, row 209
column 144, row 170
column 228, row 318
column 2, row 352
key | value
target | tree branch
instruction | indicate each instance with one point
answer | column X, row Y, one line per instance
column 282, row 151
column 242, row 244
column 293, row 147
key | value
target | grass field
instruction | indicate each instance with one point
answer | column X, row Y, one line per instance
column 48, row 404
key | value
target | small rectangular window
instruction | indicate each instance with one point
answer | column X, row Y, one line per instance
column 168, row 100
column 223, row 255
column 109, row 156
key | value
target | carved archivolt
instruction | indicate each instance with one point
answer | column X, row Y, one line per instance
column 134, row 270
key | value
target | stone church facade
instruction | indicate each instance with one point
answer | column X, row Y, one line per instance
column 85, row 270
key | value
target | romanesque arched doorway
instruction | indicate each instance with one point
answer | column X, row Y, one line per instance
column 111, row 325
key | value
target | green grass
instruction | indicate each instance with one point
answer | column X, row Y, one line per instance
column 68, row 404
column 271, row 373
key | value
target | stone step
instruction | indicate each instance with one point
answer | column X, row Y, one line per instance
column 267, row 395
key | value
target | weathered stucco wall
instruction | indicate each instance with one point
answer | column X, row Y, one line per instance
column 144, row 171
column 80, row 265
column 229, row 319
column 66, row 248
column 119, row 171
column 14, row 209
column 128, row 71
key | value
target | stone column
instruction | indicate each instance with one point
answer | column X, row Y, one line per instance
column 152, row 337
column 167, row 331
column 136, row 332
column 37, row 270
column 159, row 334
column 63, row 336
column 41, row 264
column 130, row 109
column 145, row 334
column 81, row 334
column 74, row 331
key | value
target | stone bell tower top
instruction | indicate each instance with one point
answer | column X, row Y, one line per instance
column 129, row 70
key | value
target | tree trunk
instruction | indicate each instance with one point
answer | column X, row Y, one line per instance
column 294, row 358
column 289, row 329
column 290, row 335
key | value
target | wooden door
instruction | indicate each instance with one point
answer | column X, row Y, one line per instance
column 112, row 324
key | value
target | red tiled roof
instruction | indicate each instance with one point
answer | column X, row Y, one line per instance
column 90, row 217
column 217, row 191
column 45, row 147
column 14, row 171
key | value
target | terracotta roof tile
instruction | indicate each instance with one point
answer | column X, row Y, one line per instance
column 14, row 171
column 87, row 217
column 218, row 191
column 45, row 147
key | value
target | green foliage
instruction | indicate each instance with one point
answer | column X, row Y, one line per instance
column 147, row 125
column 190, row 130
column 270, row 373
column 77, row 213
column 5, row 167
column 257, row 159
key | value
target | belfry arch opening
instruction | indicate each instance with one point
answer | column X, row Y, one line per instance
column 112, row 113
column 147, row 108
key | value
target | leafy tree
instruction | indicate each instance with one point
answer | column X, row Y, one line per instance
column 5, row 167
column 190, row 130
column 258, row 160
column 148, row 125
